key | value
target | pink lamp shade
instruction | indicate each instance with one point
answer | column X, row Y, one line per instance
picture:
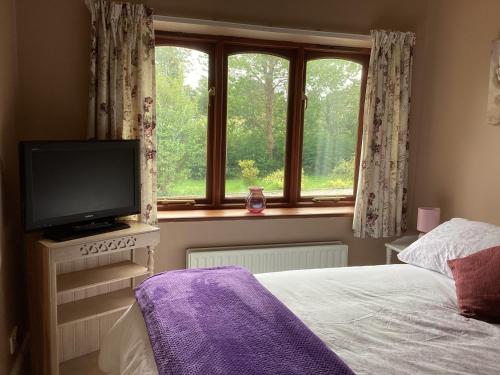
column 428, row 218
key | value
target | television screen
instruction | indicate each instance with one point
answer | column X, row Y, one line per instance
column 66, row 182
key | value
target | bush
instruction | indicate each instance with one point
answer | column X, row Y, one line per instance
column 338, row 183
column 249, row 171
column 343, row 175
column 344, row 170
column 275, row 180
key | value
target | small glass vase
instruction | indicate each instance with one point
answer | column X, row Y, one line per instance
column 256, row 201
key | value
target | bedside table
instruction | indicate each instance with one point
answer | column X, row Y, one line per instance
column 398, row 245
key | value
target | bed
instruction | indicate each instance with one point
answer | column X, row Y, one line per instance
column 394, row 319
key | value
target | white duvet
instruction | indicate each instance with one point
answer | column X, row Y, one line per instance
column 395, row 319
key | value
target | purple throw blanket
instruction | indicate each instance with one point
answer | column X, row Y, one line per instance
column 223, row 321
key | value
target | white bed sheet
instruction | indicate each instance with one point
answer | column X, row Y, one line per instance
column 395, row 319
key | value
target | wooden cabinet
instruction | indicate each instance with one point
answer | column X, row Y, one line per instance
column 77, row 289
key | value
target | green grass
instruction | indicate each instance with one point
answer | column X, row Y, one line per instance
column 236, row 187
column 315, row 182
column 185, row 188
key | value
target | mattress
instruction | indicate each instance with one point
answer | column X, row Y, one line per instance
column 394, row 319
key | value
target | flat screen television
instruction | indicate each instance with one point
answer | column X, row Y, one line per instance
column 72, row 189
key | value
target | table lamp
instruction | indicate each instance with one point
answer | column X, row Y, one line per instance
column 427, row 219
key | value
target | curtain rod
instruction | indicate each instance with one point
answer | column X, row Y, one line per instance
column 167, row 23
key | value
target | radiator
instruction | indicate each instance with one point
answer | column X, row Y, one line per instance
column 271, row 258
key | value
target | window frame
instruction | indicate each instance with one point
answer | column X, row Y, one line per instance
column 283, row 53
column 316, row 54
column 219, row 48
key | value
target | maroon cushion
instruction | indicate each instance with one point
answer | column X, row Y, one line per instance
column 477, row 280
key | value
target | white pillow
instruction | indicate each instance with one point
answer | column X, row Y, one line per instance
column 453, row 239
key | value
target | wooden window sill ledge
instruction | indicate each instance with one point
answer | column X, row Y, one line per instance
column 242, row 214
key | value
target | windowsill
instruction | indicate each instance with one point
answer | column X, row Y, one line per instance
column 242, row 214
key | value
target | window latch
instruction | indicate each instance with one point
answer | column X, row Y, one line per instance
column 327, row 199
column 177, row 202
column 306, row 101
column 211, row 91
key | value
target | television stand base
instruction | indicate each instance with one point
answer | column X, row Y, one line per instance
column 84, row 230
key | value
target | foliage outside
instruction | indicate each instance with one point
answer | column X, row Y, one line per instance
column 249, row 171
column 275, row 180
column 256, row 123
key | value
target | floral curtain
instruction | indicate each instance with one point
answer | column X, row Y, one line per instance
column 381, row 200
column 122, row 85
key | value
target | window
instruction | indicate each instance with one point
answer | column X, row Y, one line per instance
column 232, row 113
column 182, row 116
column 333, row 91
column 257, row 103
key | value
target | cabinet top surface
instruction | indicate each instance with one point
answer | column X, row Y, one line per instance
column 135, row 229
column 401, row 243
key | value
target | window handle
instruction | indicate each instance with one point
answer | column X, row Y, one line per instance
column 211, row 91
column 327, row 199
column 306, row 101
column 177, row 202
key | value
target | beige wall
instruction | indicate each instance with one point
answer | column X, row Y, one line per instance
column 54, row 44
column 456, row 167
column 459, row 154
column 54, row 79
column 358, row 16
column 11, row 298
column 177, row 237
